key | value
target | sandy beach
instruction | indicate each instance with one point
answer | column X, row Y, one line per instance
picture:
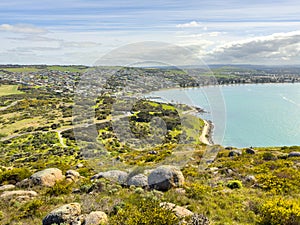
column 205, row 137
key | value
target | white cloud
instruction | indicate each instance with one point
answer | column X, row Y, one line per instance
column 270, row 49
column 22, row 28
column 191, row 24
column 67, row 44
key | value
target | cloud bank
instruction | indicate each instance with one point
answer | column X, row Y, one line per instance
column 22, row 28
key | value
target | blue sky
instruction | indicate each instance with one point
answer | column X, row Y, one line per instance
column 81, row 31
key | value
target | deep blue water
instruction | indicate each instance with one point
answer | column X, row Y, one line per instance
column 247, row 115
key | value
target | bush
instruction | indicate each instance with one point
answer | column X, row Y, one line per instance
column 267, row 156
column 280, row 212
column 235, row 184
column 30, row 209
column 14, row 175
column 60, row 188
column 275, row 184
column 144, row 212
column 197, row 191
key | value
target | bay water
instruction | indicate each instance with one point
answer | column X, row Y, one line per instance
column 246, row 115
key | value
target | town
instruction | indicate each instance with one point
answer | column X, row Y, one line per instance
column 123, row 80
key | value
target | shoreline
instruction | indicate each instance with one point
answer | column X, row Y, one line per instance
column 219, row 85
column 206, row 135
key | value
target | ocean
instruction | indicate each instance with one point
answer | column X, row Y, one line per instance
column 247, row 115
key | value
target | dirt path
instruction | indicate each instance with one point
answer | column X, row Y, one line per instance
column 10, row 105
column 204, row 137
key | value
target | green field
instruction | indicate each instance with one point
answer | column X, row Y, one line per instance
column 22, row 69
column 73, row 69
column 9, row 90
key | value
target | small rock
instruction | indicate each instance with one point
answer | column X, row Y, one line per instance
column 96, row 218
column 229, row 171
column 178, row 210
column 213, row 169
column 199, row 219
column 8, row 194
column 250, row 151
column 294, row 154
column 180, row 191
column 47, row 177
column 152, row 152
column 80, row 165
column 250, row 178
column 165, row 177
column 23, row 198
column 72, row 175
column 7, row 187
column 234, row 153
column 229, row 148
column 64, row 214
column 139, row 180
column 114, row 175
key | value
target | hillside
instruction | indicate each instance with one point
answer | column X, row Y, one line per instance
column 117, row 164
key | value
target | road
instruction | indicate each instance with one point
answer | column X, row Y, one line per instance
column 10, row 105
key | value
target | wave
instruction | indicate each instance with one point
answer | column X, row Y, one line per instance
column 290, row 101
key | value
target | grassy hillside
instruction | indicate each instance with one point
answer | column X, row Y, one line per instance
column 238, row 186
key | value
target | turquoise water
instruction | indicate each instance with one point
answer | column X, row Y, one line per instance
column 247, row 115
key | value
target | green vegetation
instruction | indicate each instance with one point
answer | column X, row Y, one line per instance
column 73, row 69
column 38, row 132
column 144, row 212
column 235, row 184
column 9, row 90
column 14, row 175
column 280, row 211
column 25, row 69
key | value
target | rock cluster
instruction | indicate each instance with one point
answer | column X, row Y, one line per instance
column 162, row 178
column 71, row 214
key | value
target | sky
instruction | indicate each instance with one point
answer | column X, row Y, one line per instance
column 82, row 31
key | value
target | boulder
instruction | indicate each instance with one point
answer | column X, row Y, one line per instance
column 179, row 211
column 64, row 214
column 114, row 175
column 164, row 178
column 7, row 187
column 250, row 151
column 139, row 180
column 72, row 175
column 47, row 177
column 9, row 194
column 294, row 154
column 96, row 218
column 234, row 153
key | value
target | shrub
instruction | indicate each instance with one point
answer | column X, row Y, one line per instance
column 234, row 184
column 197, row 191
column 30, row 209
column 267, row 156
column 280, row 212
column 144, row 212
column 14, row 175
column 275, row 184
column 60, row 188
